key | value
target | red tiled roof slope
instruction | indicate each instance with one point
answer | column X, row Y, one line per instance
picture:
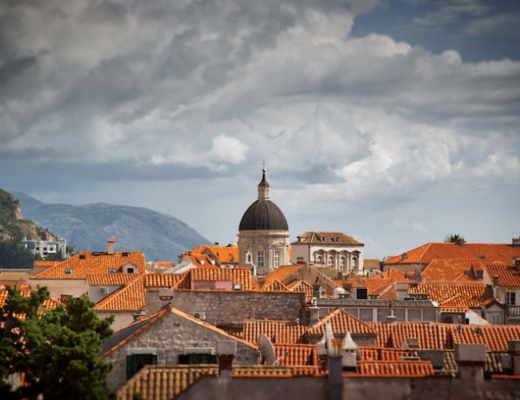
column 341, row 322
column 86, row 263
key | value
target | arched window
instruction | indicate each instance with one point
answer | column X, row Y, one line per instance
column 354, row 263
column 342, row 263
column 330, row 262
column 319, row 259
column 249, row 258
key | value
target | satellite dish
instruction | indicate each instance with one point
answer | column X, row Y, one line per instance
column 267, row 349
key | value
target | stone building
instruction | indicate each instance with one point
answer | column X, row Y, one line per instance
column 263, row 237
column 169, row 337
column 332, row 249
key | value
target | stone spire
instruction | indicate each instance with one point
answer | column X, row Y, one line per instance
column 264, row 190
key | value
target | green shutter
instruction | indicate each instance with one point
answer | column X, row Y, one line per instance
column 130, row 368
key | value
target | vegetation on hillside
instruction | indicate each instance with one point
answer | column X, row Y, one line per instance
column 56, row 350
column 13, row 230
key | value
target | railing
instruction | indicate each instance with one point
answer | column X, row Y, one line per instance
column 513, row 311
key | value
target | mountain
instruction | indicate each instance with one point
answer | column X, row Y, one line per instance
column 13, row 227
column 88, row 227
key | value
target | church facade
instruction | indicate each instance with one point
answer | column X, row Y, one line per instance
column 263, row 233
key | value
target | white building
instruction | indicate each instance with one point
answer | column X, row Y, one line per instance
column 330, row 249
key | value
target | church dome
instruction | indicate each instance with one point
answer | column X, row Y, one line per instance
column 263, row 214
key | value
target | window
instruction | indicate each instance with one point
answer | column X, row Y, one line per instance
column 365, row 314
column 249, row 258
column 354, row 262
column 330, row 262
column 130, row 270
column 414, row 314
column 260, row 259
column 429, row 315
column 495, row 318
column 135, row 362
column 319, row 259
column 342, row 263
column 197, row 358
column 276, row 259
column 112, row 270
column 68, row 271
column 511, row 298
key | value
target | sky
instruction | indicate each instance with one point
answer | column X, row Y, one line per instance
column 394, row 122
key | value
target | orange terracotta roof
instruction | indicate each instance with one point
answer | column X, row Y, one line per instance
column 45, row 263
column 277, row 331
column 275, row 286
column 82, row 264
column 109, row 279
column 166, row 382
column 372, row 263
column 49, row 304
column 371, row 353
column 450, row 270
column 374, row 284
column 282, row 273
column 234, row 275
column 495, row 337
column 302, row 286
column 395, row 368
column 131, row 298
column 341, row 322
column 439, row 291
column 165, row 280
column 429, row 335
column 507, row 275
column 225, row 254
column 460, row 301
column 295, row 354
column 334, row 238
column 488, row 253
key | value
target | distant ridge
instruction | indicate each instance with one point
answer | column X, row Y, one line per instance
column 160, row 236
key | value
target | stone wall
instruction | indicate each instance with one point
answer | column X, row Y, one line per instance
column 233, row 306
column 167, row 338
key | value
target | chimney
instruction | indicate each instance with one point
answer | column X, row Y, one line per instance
column 261, row 282
column 461, row 242
column 513, row 348
column 495, row 280
column 316, row 290
column 226, row 350
column 471, row 359
column 110, row 243
column 315, row 312
column 166, row 296
column 405, row 256
column 413, row 343
column 517, row 265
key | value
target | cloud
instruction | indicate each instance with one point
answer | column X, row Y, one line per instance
column 220, row 84
column 415, row 226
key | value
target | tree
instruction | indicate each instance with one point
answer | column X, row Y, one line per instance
column 453, row 238
column 56, row 350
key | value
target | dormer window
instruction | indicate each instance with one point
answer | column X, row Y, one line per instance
column 82, row 256
column 130, row 270
column 237, row 286
column 125, row 254
column 112, row 270
column 68, row 271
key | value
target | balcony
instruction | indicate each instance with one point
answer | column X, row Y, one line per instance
column 513, row 312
